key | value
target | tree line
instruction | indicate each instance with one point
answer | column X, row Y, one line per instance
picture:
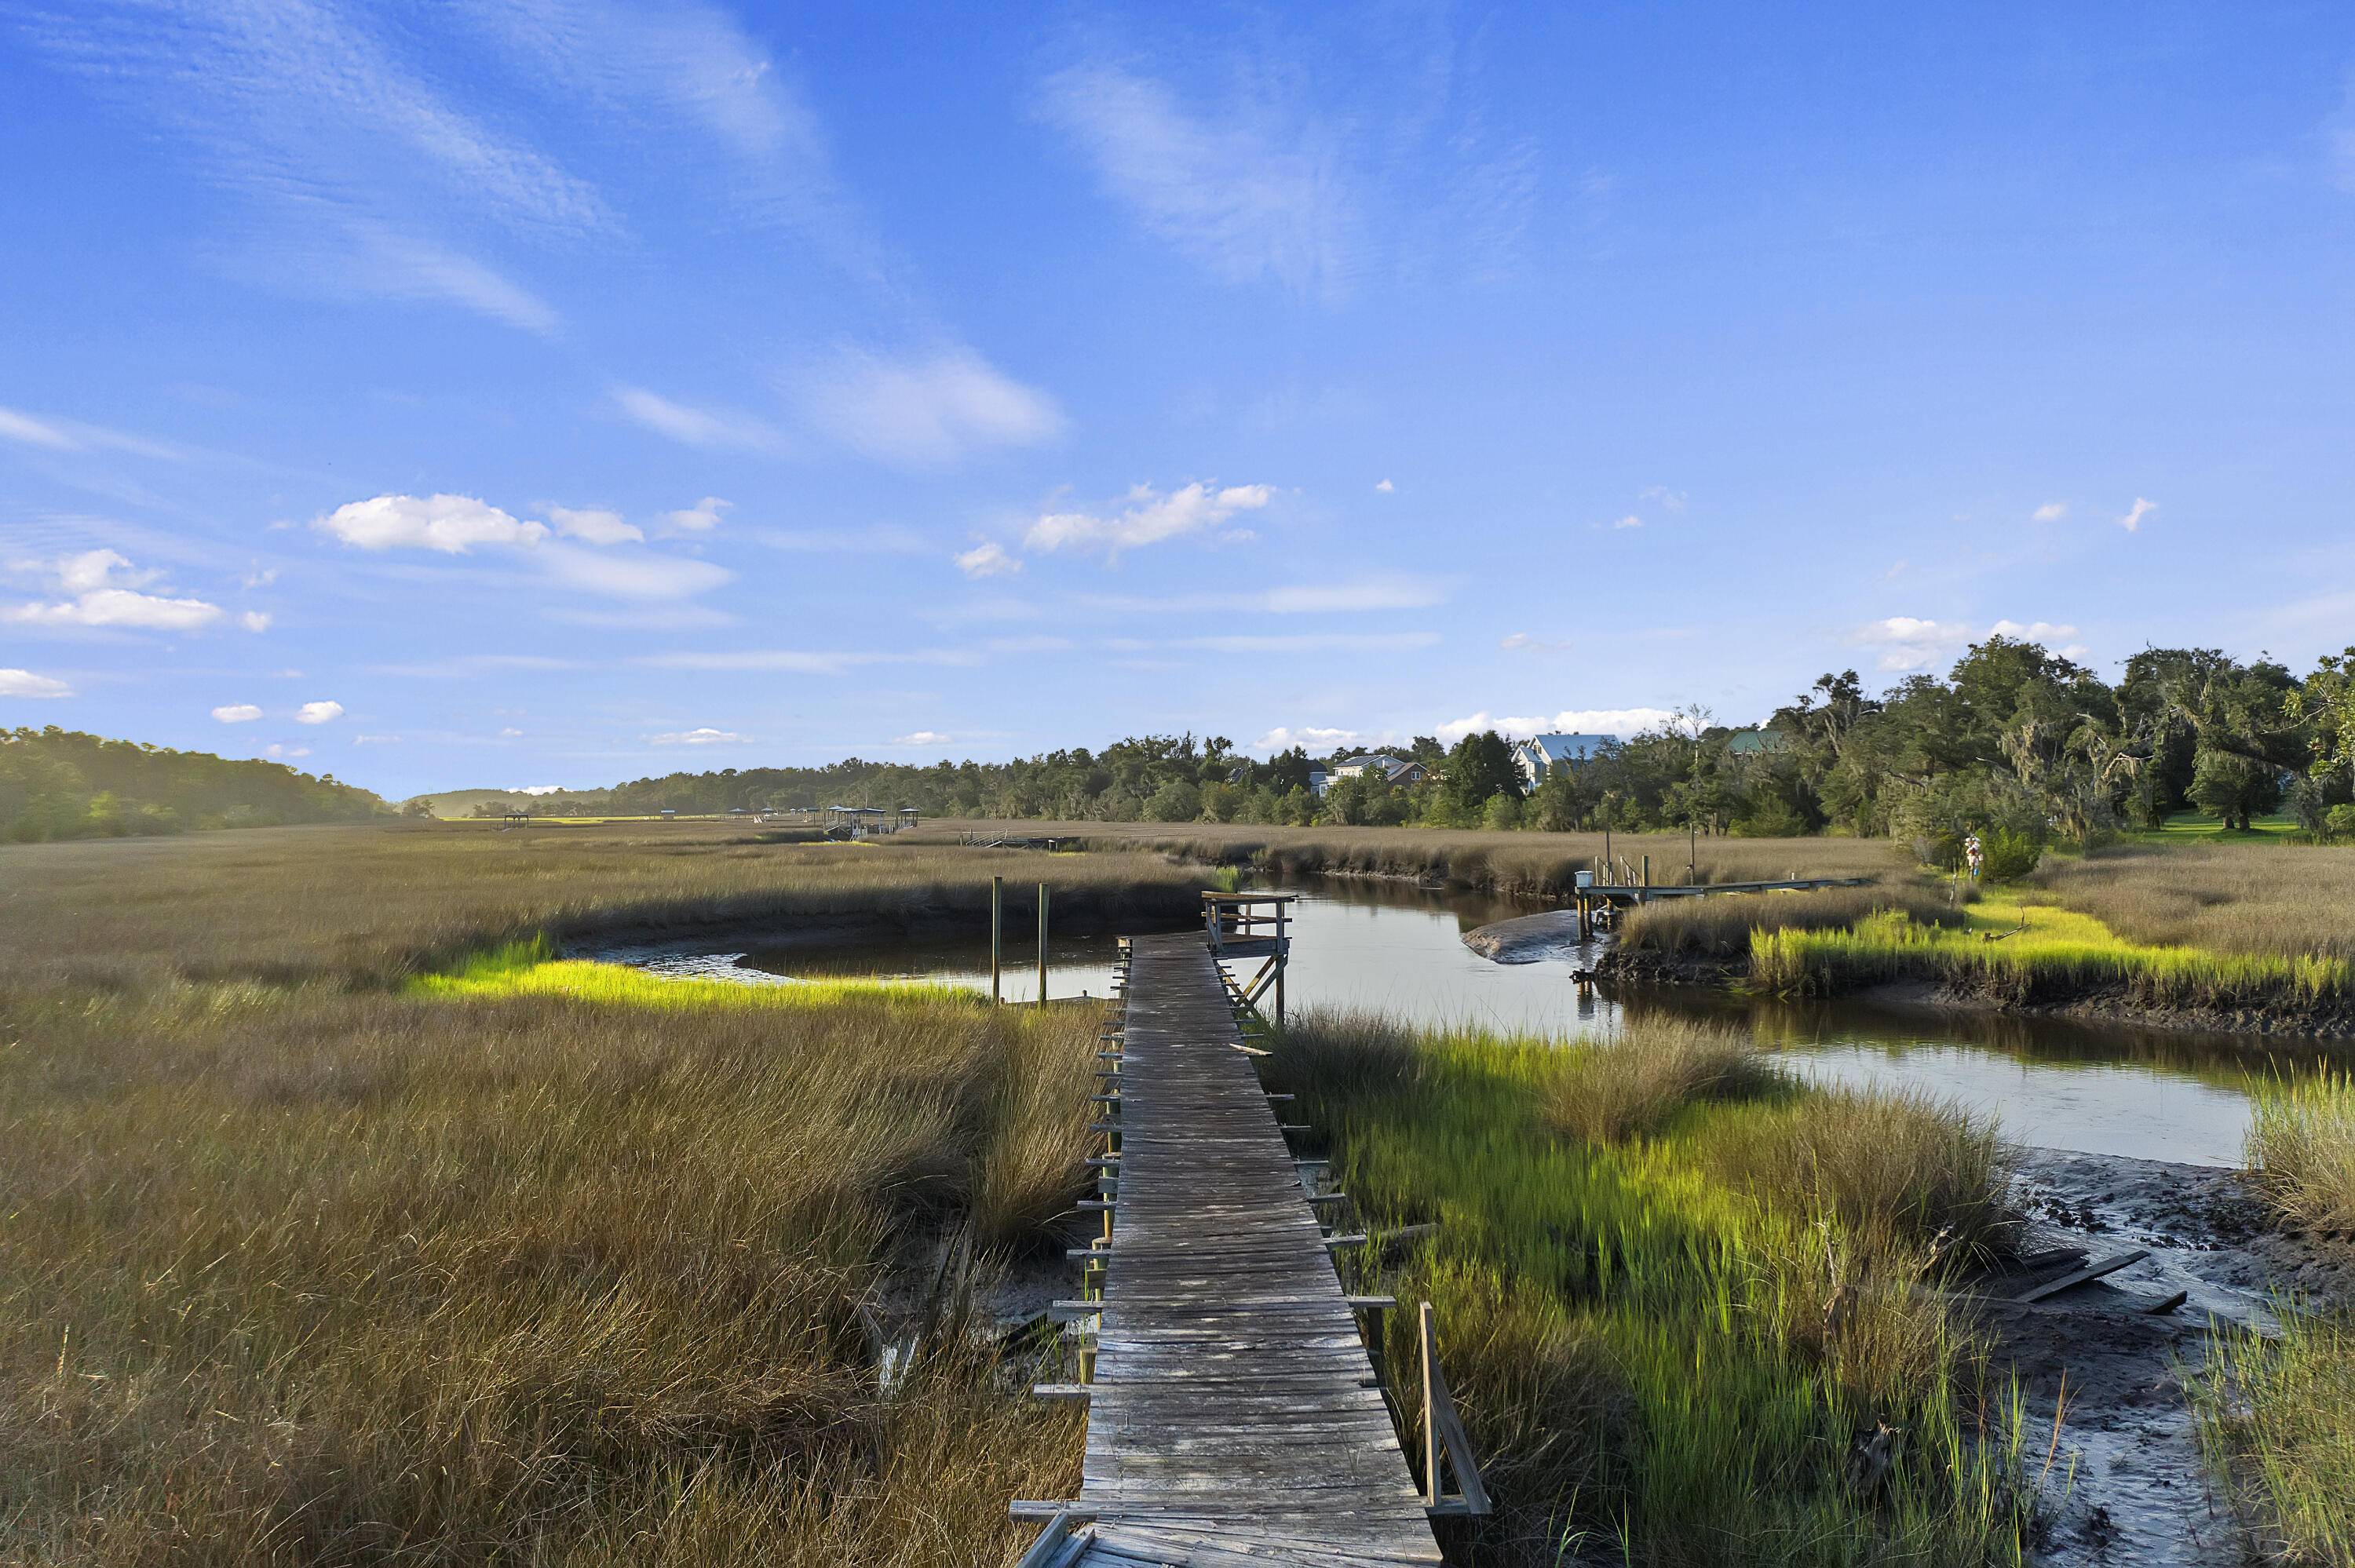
column 2015, row 741
column 62, row 784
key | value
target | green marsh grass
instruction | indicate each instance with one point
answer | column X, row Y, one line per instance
column 2301, row 1148
column 1721, row 926
column 2016, row 951
column 2276, row 1416
column 1641, row 1328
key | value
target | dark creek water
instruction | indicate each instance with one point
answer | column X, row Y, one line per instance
column 2148, row 1094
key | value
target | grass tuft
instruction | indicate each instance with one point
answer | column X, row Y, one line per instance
column 1721, row 926
column 2276, row 1416
column 2301, row 1148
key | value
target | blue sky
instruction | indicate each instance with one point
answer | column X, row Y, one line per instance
column 522, row 394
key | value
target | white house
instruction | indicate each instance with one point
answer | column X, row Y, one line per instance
column 1542, row 754
column 1393, row 770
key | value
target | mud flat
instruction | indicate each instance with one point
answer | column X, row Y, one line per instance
column 2128, row 1485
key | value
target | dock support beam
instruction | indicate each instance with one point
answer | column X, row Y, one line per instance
column 997, row 935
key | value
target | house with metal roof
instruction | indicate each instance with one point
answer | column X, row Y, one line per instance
column 1748, row 745
column 1542, row 754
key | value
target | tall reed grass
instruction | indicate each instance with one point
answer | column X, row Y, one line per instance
column 2286, row 900
column 2277, row 1415
column 1664, row 1338
column 316, row 1276
column 2301, row 1148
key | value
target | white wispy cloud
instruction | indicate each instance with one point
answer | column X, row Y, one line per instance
column 281, row 751
column 254, row 619
column 102, row 589
column 593, row 525
column 2050, row 511
column 1396, row 593
column 1236, row 189
column 39, row 688
column 1669, row 500
column 73, row 436
column 702, row 736
column 452, row 524
column 2132, row 521
column 1384, row 486
column 636, row 575
column 1148, row 518
column 323, row 124
column 986, row 559
column 709, row 428
column 1629, row 521
column 236, row 713
column 319, row 712
column 921, row 738
column 924, row 411
column 1620, row 722
column 1522, row 643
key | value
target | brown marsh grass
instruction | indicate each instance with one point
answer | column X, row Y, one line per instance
column 1721, row 926
column 1662, row 1065
column 319, row 1276
column 1516, row 864
column 2260, row 899
column 372, row 904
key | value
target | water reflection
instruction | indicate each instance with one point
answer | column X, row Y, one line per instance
column 1399, row 949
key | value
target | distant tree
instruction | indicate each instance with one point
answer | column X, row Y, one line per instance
column 1175, row 801
column 2234, row 787
column 1480, row 768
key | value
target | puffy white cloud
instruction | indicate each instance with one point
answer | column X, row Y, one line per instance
column 987, row 559
column 592, row 526
column 1620, row 722
column 25, row 683
column 236, row 713
column 2132, row 521
column 452, row 524
column 1908, row 643
column 1318, row 739
column 702, row 736
column 255, row 620
column 285, row 751
column 510, row 733
column 318, row 713
column 639, row 574
column 536, row 790
column 700, row 518
column 921, row 738
column 122, row 606
column 926, row 412
column 690, row 426
column 105, row 587
column 1630, row 521
column 1385, row 486
column 1148, row 518
column 2050, row 511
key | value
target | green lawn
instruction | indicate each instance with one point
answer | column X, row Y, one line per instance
column 2197, row 827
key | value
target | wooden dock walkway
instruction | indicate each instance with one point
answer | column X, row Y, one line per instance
column 1233, row 1416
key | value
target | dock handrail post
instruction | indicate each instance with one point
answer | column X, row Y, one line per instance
column 996, row 934
column 1042, row 944
column 1606, row 849
column 1430, row 1342
column 1647, row 873
column 1282, row 954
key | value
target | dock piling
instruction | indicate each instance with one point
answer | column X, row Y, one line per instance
column 996, row 934
column 1042, row 944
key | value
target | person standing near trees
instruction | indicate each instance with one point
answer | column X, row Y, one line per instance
column 1972, row 854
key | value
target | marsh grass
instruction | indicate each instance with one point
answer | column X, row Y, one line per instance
column 1611, row 1096
column 2301, row 1148
column 316, row 1276
column 378, row 904
column 1643, row 1335
column 2020, row 952
column 2276, row 1416
column 1516, row 864
column 1721, row 926
column 2268, row 900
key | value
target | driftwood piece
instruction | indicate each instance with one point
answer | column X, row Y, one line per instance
column 2085, row 1275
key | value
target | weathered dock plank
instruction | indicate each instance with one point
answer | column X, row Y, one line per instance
column 1233, row 1415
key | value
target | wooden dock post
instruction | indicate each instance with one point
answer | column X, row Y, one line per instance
column 996, row 934
column 1042, row 944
